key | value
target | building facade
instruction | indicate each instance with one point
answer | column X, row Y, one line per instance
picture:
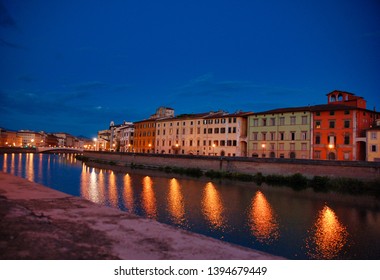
column 9, row 139
column 211, row 134
column 280, row 133
column 373, row 142
column 339, row 127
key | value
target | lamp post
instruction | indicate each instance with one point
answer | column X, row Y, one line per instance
column 95, row 143
column 213, row 149
column 150, row 146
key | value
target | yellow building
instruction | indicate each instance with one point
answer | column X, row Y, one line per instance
column 373, row 142
column 280, row 133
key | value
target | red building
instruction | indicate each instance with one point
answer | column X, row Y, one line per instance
column 339, row 127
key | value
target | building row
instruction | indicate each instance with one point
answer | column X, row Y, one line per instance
column 341, row 129
column 32, row 139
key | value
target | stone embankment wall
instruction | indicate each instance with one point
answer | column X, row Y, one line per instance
column 309, row 168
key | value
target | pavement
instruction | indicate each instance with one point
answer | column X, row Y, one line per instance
column 39, row 223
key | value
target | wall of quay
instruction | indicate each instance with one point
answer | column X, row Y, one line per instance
column 309, row 168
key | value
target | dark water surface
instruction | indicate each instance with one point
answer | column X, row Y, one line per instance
column 277, row 220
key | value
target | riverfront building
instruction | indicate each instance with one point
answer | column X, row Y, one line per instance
column 9, row 139
column 213, row 133
column 280, row 133
column 373, row 142
column 145, row 131
column 339, row 127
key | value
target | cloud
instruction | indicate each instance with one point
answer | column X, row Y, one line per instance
column 95, row 85
column 7, row 44
column 6, row 20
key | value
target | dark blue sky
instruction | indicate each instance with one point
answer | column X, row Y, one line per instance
column 75, row 65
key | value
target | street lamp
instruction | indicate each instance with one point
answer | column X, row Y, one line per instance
column 213, row 149
column 150, row 145
column 96, row 141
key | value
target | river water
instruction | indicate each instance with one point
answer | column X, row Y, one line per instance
column 277, row 220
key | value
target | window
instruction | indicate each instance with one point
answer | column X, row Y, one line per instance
column 254, row 136
column 373, row 135
column 292, row 146
column 292, row 136
column 281, row 146
column 346, row 139
column 216, row 130
column 304, row 120
column 346, row 156
column 205, row 131
column 346, row 112
column 234, row 130
column 332, row 124
column 234, row 143
column 292, row 120
column 304, row 146
column 264, row 122
column 282, row 121
column 191, row 143
column 209, row 131
column 234, row 120
column 191, row 130
column 332, row 113
column 318, row 139
column 229, row 130
column 254, row 146
column 273, row 121
column 282, row 136
column 255, row 122
column 346, row 124
column 229, row 143
column 271, row 146
column 373, row 148
column 223, row 130
column 317, row 113
column 263, row 136
column 222, row 143
column 273, row 136
column 317, row 124
column 303, row 135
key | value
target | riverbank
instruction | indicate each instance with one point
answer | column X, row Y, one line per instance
column 40, row 223
column 356, row 178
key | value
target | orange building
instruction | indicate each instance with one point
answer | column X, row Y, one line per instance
column 145, row 136
column 339, row 127
column 145, row 131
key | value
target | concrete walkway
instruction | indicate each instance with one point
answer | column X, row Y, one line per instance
column 37, row 222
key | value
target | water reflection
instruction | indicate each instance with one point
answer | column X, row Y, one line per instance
column 176, row 206
column 262, row 220
column 113, row 190
column 148, row 198
column 212, row 207
column 128, row 193
column 327, row 237
column 5, row 162
column 30, row 167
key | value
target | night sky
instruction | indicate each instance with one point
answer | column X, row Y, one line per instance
column 75, row 65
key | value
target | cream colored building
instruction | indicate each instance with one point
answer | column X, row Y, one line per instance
column 211, row 134
column 373, row 142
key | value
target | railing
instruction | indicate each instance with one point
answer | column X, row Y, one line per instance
column 48, row 149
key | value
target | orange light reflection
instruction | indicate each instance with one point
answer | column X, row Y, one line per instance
column 148, row 198
column 262, row 220
column 212, row 207
column 176, row 206
column 128, row 193
column 328, row 236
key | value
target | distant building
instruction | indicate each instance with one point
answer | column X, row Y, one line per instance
column 31, row 138
column 373, row 142
column 9, row 139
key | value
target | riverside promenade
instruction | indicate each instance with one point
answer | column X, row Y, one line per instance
column 39, row 223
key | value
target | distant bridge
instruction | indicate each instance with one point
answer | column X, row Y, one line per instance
column 58, row 149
